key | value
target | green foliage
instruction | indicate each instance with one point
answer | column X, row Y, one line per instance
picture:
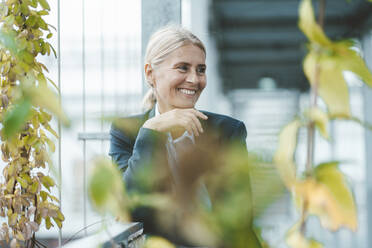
column 25, row 99
column 15, row 118
column 106, row 189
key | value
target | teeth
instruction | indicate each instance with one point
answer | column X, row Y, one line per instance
column 188, row 92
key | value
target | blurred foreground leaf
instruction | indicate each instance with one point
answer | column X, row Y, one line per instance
column 331, row 85
column 328, row 197
column 283, row 157
column 157, row 242
column 44, row 97
column 16, row 117
column 295, row 239
column 309, row 26
column 326, row 61
column 106, row 189
column 229, row 186
column 321, row 121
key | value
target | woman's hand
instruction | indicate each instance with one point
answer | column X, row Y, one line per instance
column 177, row 120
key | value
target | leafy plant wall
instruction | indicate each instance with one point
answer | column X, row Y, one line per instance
column 28, row 100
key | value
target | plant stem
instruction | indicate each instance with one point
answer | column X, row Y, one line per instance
column 313, row 100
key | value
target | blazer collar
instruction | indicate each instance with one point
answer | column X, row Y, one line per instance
column 151, row 113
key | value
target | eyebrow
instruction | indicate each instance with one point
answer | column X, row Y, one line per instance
column 185, row 63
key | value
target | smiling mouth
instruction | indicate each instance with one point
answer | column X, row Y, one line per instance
column 187, row 92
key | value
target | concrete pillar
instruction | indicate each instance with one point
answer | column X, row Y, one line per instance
column 155, row 14
column 367, row 103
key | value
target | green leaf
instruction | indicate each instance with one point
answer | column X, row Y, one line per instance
column 48, row 182
column 42, row 24
column 43, row 195
column 308, row 25
column 31, row 21
column 24, row 9
column 283, row 157
column 101, row 185
column 34, row 187
column 10, row 184
column 321, row 121
column 27, row 57
column 43, row 12
column 331, row 83
column 44, row 4
column 106, row 189
column 48, row 223
column 54, row 51
column 22, row 182
column 33, row 3
column 345, row 214
column 15, row 118
column 58, row 222
column 7, row 40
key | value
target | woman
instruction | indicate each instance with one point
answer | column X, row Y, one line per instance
column 175, row 71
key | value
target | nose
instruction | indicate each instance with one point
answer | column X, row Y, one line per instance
column 192, row 77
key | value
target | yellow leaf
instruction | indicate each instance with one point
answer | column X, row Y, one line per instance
column 13, row 219
column 283, row 157
column 157, row 242
column 22, row 182
column 321, row 120
column 10, row 184
column 43, row 96
column 58, row 222
column 332, row 178
column 295, row 239
column 331, row 85
column 328, row 197
column 308, row 25
column 350, row 60
column 19, row 236
column 48, row 223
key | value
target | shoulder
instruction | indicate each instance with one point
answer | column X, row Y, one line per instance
column 223, row 121
column 228, row 127
column 128, row 126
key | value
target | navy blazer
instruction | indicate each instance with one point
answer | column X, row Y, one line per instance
column 133, row 147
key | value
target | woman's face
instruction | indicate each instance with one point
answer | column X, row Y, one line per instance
column 179, row 80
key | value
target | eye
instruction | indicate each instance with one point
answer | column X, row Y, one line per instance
column 200, row 70
column 182, row 68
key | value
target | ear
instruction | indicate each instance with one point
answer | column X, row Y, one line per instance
column 149, row 76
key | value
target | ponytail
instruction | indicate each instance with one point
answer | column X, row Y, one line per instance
column 149, row 100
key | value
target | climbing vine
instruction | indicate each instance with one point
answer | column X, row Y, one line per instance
column 28, row 98
column 323, row 190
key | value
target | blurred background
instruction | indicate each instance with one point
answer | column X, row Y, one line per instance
column 254, row 59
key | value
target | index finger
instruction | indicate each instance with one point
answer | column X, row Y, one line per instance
column 199, row 114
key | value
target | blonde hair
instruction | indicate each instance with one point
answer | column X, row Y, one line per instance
column 163, row 42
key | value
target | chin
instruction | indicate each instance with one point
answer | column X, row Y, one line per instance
column 185, row 105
